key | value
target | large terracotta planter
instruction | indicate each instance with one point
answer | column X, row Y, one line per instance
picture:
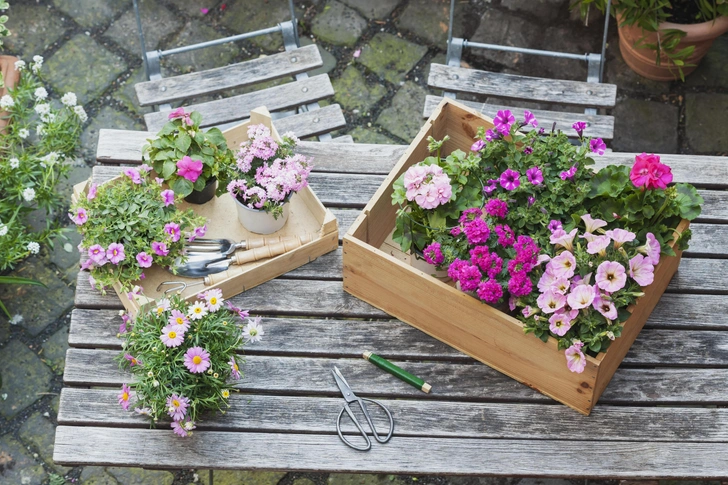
column 643, row 60
column 10, row 77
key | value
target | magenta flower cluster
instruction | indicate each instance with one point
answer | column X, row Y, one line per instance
column 427, row 185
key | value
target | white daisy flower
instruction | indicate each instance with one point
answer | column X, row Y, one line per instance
column 14, row 163
column 29, row 194
column 69, row 99
column 253, row 331
column 214, row 299
column 197, row 311
column 23, row 133
column 40, row 93
column 81, row 113
column 19, row 65
column 33, row 247
column 3, row 229
column 7, row 102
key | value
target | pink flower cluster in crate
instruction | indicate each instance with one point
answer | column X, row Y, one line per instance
column 427, row 185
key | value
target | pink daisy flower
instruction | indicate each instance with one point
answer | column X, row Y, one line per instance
column 180, row 320
column 214, row 299
column 172, row 336
column 124, row 397
column 177, row 406
column 234, row 369
column 183, row 429
column 132, row 360
column 197, row 360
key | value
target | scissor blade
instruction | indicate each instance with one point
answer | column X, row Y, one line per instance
column 343, row 385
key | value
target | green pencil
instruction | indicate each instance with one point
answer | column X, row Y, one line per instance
column 396, row 371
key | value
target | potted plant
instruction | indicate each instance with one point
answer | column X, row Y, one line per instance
column 187, row 158
column 128, row 224
column 183, row 357
column 265, row 176
column 665, row 39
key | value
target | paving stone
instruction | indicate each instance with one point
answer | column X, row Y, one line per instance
column 96, row 475
column 357, row 479
column 39, row 433
column 326, row 56
column 24, row 376
column 92, row 13
column 107, row 117
column 54, row 404
column 352, row 91
column 706, row 116
column 80, row 171
column 391, row 57
column 201, row 59
column 428, row 19
column 4, row 330
column 713, row 69
column 404, row 117
column 338, row 24
column 249, row 15
column 84, row 67
column 373, row 9
column 157, row 23
column 38, row 306
column 17, row 465
column 234, row 477
column 505, row 28
column 32, row 29
column 546, row 10
column 480, row 481
column 645, row 126
column 194, row 9
column 370, row 135
column 65, row 253
column 140, row 476
column 549, row 481
column 303, row 481
column 54, row 350
column 126, row 94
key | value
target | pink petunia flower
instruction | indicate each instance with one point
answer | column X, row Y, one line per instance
column 651, row 249
column 528, row 310
column 168, row 197
column 490, row 186
column 134, row 175
column 180, row 320
column 563, row 238
column 620, row 236
column 160, row 249
column 555, row 225
column 97, row 254
column 144, row 260
column 568, row 174
column 177, row 407
column 546, row 281
column 509, row 179
column 115, row 253
column 534, row 175
column 575, row 358
column 581, row 296
column 597, row 146
column 503, row 121
column 560, row 285
column 529, row 119
column 561, row 322
column 180, row 113
column 477, row 146
column 550, row 301
column 124, row 397
column 605, row 307
column 611, row 276
column 172, row 229
column 562, row 266
column 189, row 169
column 92, row 190
column 197, row 360
column 641, row 270
column 80, row 217
column 579, row 127
column 172, row 336
column 598, row 244
column 591, row 223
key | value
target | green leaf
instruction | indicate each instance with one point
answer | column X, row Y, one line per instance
column 609, row 181
column 200, row 183
column 215, row 136
column 168, row 169
column 18, row 280
column 688, row 201
column 183, row 142
column 182, row 187
column 196, row 118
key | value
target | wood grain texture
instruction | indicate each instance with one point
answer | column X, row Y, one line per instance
column 235, row 75
column 402, row 455
column 601, row 126
column 450, row 380
column 464, row 80
column 256, row 412
column 238, row 107
column 312, row 123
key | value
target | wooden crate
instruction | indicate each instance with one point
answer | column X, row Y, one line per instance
column 307, row 216
column 376, row 271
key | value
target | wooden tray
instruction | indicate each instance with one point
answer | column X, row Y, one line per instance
column 378, row 273
column 307, row 215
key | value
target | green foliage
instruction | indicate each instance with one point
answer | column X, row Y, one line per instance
column 134, row 215
column 162, row 371
column 178, row 139
column 4, row 32
column 35, row 147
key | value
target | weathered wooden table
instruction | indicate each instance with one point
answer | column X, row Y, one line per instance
column 663, row 415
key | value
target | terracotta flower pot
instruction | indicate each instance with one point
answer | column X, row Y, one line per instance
column 643, row 60
column 10, row 78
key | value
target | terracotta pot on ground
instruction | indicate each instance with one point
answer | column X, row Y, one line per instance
column 642, row 60
column 10, row 77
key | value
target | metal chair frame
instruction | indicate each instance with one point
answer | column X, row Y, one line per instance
column 595, row 62
column 288, row 29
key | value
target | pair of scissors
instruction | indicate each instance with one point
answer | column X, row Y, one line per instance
column 351, row 398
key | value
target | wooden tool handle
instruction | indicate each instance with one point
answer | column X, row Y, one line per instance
column 259, row 242
column 271, row 250
column 216, row 278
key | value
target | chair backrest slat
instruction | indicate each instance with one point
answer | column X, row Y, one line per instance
column 220, row 79
column 312, row 123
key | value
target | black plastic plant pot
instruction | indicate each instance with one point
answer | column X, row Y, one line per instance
column 204, row 195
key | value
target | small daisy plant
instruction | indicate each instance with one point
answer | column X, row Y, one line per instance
column 184, row 358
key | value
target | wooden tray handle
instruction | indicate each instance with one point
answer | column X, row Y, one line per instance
column 271, row 250
column 259, row 242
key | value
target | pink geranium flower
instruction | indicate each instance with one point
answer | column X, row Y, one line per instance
column 177, row 407
column 172, row 336
column 611, row 276
column 144, row 260
column 647, row 171
column 605, row 307
column 509, row 179
column 550, row 301
column 160, row 249
column 115, row 253
column 433, row 254
column 189, row 169
column 581, row 296
column 180, row 113
column 168, row 197
column 641, row 270
column 575, row 358
column 197, row 360
column 124, row 397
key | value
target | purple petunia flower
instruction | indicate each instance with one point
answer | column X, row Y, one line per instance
column 477, row 146
column 160, row 249
column 80, row 217
column 144, row 260
column 568, row 174
column 97, row 254
column 115, row 253
column 579, row 127
column 528, row 150
column 597, row 146
column 172, row 229
column 491, row 135
column 490, row 186
column 555, row 225
column 531, row 200
column 133, row 174
column 503, row 121
column 534, row 175
column 168, row 197
column 509, row 179
column 529, row 119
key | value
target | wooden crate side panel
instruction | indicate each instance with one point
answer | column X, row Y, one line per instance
column 612, row 358
column 465, row 324
column 461, row 124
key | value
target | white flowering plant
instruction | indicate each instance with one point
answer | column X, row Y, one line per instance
column 35, row 146
column 184, row 358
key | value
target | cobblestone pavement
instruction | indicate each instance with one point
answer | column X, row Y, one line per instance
column 91, row 48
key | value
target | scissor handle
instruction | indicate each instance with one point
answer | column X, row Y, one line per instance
column 369, row 421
